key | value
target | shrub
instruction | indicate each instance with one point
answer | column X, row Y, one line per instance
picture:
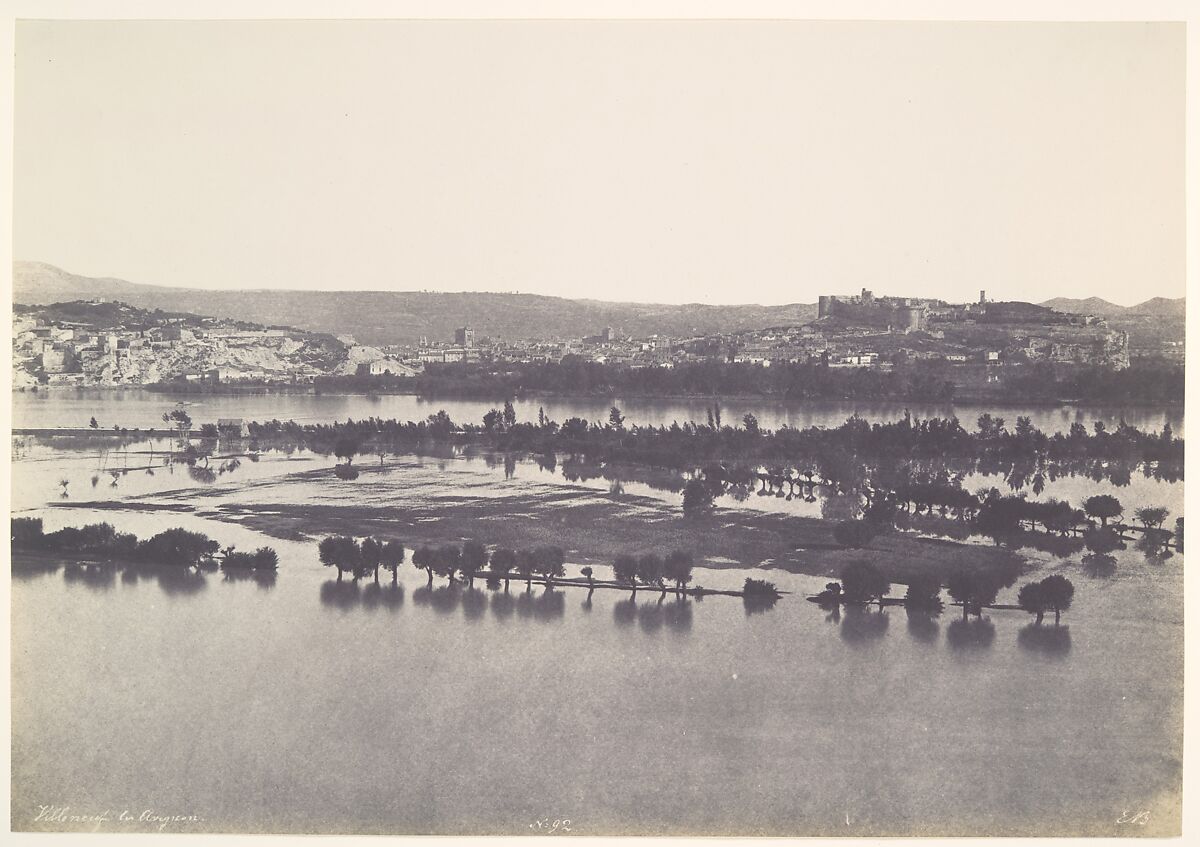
column 759, row 587
column 177, row 547
column 862, row 583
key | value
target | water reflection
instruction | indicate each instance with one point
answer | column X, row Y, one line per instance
column 1053, row 641
column 1100, row 565
column 861, row 625
column 180, row 580
column 1153, row 546
column 971, row 634
column 474, row 603
column 100, row 577
column 922, row 625
column 264, row 579
column 755, row 604
column 650, row 616
column 503, row 605
column 343, row 595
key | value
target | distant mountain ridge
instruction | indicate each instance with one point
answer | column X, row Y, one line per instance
column 403, row 317
column 1096, row 306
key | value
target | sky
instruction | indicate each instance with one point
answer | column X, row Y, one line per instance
column 658, row 161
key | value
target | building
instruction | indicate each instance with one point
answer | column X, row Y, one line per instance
column 384, row 367
column 464, row 337
column 59, row 361
column 232, row 427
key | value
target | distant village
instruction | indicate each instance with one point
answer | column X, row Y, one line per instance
column 98, row 343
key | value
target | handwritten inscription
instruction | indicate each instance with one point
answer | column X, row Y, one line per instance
column 142, row 818
column 551, row 826
column 1138, row 818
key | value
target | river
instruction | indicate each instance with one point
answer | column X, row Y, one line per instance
column 137, row 408
column 302, row 706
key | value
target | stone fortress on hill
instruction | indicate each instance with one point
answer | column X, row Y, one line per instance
column 996, row 331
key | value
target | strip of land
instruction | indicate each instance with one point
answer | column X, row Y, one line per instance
column 593, row 527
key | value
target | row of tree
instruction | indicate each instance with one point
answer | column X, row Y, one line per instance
column 471, row 559
column 691, row 445
column 863, row 583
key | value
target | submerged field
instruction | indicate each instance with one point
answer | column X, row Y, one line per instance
column 424, row 502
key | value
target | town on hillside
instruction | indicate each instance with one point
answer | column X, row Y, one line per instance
column 97, row 343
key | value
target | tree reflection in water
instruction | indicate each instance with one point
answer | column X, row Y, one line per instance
column 503, row 605
column 922, row 625
column 1099, row 565
column 340, row 595
column 678, row 616
column 445, row 598
column 264, row 579
column 370, row 596
column 1153, row 546
column 1053, row 641
column 625, row 612
column 474, row 604
column 860, row 625
column 755, row 604
column 100, row 577
column 650, row 616
column 550, row 604
column 971, row 634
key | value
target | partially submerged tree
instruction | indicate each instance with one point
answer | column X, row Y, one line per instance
column 474, row 559
column 504, row 560
column 1152, row 517
column 863, row 583
column 650, row 570
column 678, row 569
column 423, row 559
column 1057, row 591
column 339, row 551
column 549, row 562
column 1103, row 506
column 625, row 570
column 924, row 592
column 527, row 565
column 392, row 557
column 972, row 590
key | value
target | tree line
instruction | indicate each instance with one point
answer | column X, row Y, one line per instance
column 833, row 451
column 862, row 583
column 1149, row 383
column 173, row 547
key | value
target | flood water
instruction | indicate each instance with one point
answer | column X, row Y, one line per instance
column 137, row 408
column 308, row 706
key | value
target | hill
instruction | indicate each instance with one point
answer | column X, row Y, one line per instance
column 1162, row 307
column 403, row 317
column 1089, row 306
column 1156, row 327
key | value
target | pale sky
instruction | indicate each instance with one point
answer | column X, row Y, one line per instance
column 701, row 161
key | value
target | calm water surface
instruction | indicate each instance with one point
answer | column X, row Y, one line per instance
column 305, row 706
column 144, row 409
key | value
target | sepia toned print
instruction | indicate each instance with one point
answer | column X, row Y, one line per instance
column 602, row 428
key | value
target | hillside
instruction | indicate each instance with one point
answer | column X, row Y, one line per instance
column 402, row 317
column 1089, row 306
column 1156, row 327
